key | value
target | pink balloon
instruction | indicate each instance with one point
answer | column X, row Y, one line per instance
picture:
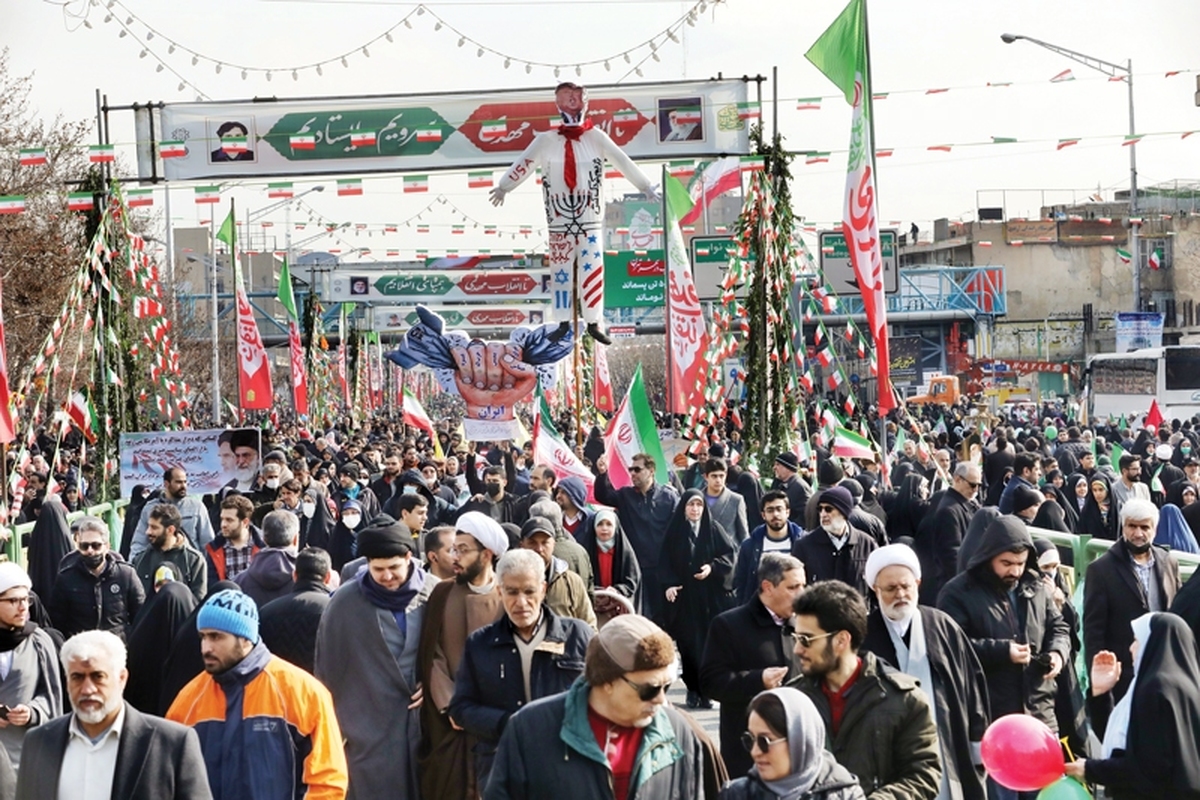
column 1021, row 753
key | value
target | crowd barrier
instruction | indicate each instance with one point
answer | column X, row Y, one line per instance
column 1087, row 549
column 112, row 513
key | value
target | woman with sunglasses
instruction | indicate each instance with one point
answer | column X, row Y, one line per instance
column 786, row 739
column 696, row 567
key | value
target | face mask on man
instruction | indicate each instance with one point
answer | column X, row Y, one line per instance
column 92, row 559
column 494, row 489
column 272, row 483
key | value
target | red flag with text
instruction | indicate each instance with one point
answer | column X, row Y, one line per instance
column 254, row 369
column 687, row 333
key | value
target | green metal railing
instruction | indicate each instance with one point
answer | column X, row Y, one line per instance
column 1087, row 549
column 112, row 513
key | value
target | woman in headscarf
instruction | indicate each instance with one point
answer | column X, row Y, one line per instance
column 1099, row 515
column 342, row 547
column 316, row 519
column 786, row 738
column 49, row 541
column 696, row 567
column 1174, row 532
column 153, row 633
column 1069, row 707
column 183, row 661
column 1152, row 737
column 31, row 686
column 912, row 504
column 1050, row 516
column 1073, row 497
column 133, row 512
column 615, row 569
column 997, row 488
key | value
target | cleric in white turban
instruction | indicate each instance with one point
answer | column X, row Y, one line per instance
column 928, row 645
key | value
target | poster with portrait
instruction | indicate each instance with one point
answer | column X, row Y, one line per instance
column 214, row 459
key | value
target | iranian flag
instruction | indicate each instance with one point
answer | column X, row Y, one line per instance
column 83, row 415
column 101, row 153
column 208, row 194
column 848, row 444
column 80, row 201
column 1124, row 255
column 414, row 414
column 254, row 370
column 429, row 135
column 841, row 54
column 174, row 149
column 303, row 141
column 493, row 129
column 8, row 430
column 362, row 138
column 631, row 432
column 283, row 190
column 479, row 180
column 32, row 156
column 15, row 203
column 550, row 450
column 351, row 187
column 626, row 115
column 234, row 145
column 1155, row 259
column 287, row 299
column 416, row 183
column 687, row 334
column 139, row 197
column 749, row 110
column 688, row 115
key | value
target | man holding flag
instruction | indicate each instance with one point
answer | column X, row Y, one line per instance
column 841, row 53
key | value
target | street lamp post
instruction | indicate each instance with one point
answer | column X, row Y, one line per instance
column 1126, row 73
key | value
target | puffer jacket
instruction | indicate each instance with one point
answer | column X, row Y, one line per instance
column 978, row 602
column 548, row 752
column 567, row 594
column 887, row 738
column 834, row 782
column 84, row 601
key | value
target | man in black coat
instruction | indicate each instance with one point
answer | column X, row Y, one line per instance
column 1005, row 608
column 941, row 533
column 928, row 644
column 836, row 550
column 749, row 650
column 288, row 625
column 95, row 588
column 153, row 758
column 787, row 480
column 1133, row 578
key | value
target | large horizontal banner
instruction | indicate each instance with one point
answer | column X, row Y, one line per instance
column 411, row 133
column 367, row 286
column 469, row 318
column 213, row 459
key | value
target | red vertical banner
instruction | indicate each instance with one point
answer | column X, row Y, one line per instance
column 299, row 377
column 8, row 430
column 254, row 370
column 602, row 387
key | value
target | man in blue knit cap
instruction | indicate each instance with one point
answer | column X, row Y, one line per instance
column 257, row 715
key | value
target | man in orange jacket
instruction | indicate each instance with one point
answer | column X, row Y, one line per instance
column 257, row 715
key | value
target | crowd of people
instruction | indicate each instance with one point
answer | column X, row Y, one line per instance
column 381, row 615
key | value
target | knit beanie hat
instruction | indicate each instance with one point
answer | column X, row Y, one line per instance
column 840, row 498
column 232, row 612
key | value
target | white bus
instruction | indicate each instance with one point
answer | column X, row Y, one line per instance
column 1125, row 383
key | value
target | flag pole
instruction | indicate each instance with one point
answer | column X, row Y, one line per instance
column 216, row 354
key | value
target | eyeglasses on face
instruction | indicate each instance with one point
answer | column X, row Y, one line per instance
column 824, row 509
column 647, row 691
column 636, row 469
column 85, row 546
column 15, row 602
column 806, row 640
column 750, row 741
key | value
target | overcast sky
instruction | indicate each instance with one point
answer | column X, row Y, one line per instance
column 917, row 45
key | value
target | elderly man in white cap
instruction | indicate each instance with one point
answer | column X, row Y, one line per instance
column 930, row 646
column 31, row 691
column 455, row 610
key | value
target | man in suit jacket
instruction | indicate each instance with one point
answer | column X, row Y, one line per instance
column 1134, row 577
column 749, row 650
column 137, row 756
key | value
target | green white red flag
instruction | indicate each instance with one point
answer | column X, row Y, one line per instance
column 172, row 149
column 15, row 203
column 287, row 299
column 414, row 414
column 848, row 444
column 717, row 178
column 254, row 370
column 416, row 183
column 550, row 450
column 633, row 431
column 83, row 415
column 1155, row 259
column 841, row 54
column 32, row 156
column 101, row 153
column 283, row 190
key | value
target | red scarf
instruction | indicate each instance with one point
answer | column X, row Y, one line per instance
column 572, row 132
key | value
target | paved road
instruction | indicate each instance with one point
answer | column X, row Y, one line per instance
column 710, row 719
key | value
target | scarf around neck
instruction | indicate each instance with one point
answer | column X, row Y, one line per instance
column 12, row 638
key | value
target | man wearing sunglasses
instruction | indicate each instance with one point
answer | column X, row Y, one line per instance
column 878, row 723
column 836, row 550
column 941, row 533
column 612, row 734
column 95, row 589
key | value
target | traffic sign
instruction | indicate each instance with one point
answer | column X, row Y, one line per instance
column 839, row 272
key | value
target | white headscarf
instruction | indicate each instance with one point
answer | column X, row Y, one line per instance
column 1118, row 722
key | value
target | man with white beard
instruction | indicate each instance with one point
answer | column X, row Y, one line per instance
column 930, row 646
